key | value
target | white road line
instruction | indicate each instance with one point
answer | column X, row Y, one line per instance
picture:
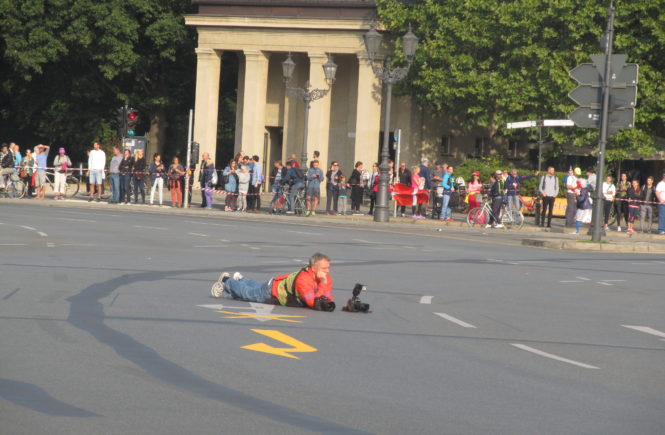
column 209, row 223
column 50, row 245
column 75, row 219
column 613, row 280
column 367, row 241
column 426, row 299
column 583, row 278
column 646, row 330
column 604, row 283
column 304, row 232
column 223, row 240
column 571, row 281
column 552, row 356
column 42, row 234
column 13, row 244
column 150, row 228
column 28, row 228
column 297, row 261
column 455, row 320
column 495, row 260
column 197, row 234
column 210, row 246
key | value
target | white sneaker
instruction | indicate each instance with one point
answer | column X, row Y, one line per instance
column 488, row 226
column 499, row 226
column 224, row 275
column 237, row 276
column 217, row 289
column 619, row 229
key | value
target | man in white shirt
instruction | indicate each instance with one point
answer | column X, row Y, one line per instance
column 571, row 200
column 660, row 195
column 96, row 164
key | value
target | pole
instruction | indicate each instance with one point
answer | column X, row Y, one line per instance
column 303, row 156
column 381, row 213
column 537, row 196
column 597, row 217
column 399, row 148
column 189, row 158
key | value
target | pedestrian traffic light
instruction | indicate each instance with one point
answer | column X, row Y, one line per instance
column 121, row 117
column 132, row 120
column 195, row 153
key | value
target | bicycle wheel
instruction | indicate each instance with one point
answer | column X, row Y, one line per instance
column 613, row 217
column 299, row 205
column 73, row 186
column 19, row 189
column 477, row 216
column 517, row 219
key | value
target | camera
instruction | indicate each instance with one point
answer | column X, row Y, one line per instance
column 355, row 305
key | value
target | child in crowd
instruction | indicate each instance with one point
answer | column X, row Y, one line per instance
column 343, row 194
column 243, row 188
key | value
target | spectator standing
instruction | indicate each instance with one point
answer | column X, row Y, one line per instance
column 548, row 187
column 496, row 196
column 114, row 171
column 448, row 184
column 660, row 195
column 277, row 176
column 28, row 166
column 609, row 191
column 314, row 177
column 157, row 175
column 571, row 200
column 583, row 212
column 7, row 164
column 255, row 186
column 61, row 163
column 403, row 177
column 96, row 165
column 513, row 188
column 208, row 179
column 343, row 188
column 437, row 190
column 634, row 197
column 474, row 190
column 230, row 178
column 355, row 181
column 41, row 156
column 591, row 180
column 126, row 169
column 646, row 209
column 373, row 187
column 202, row 176
column 244, row 179
column 18, row 158
column 621, row 200
column 175, row 174
column 294, row 161
column 332, row 187
column 138, row 176
column 426, row 174
column 295, row 178
column 417, row 184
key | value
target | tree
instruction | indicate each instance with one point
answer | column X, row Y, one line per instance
column 492, row 62
column 68, row 64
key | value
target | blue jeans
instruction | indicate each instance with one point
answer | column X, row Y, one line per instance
column 125, row 187
column 248, row 289
column 115, row 187
column 514, row 202
column 446, row 212
column 294, row 191
column 661, row 217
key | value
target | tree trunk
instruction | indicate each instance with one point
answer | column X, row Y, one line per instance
column 157, row 133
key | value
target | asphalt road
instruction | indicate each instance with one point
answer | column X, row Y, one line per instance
column 107, row 327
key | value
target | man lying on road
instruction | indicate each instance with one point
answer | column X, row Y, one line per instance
column 309, row 287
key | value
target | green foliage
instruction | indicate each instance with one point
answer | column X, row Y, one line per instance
column 492, row 62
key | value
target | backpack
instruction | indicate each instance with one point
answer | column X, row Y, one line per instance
column 300, row 173
column 213, row 178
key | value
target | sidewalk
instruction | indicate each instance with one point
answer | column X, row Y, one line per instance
column 531, row 235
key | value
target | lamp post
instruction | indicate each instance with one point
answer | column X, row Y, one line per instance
column 308, row 95
column 389, row 75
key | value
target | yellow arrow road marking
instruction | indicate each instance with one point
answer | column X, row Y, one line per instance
column 296, row 346
column 282, row 317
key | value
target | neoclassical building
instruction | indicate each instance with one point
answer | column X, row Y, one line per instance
column 346, row 124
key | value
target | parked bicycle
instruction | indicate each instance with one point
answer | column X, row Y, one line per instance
column 15, row 188
column 73, row 183
column 480, row 216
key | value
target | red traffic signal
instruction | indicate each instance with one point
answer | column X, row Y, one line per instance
column 132, row 119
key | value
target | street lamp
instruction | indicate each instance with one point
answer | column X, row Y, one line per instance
column 308, row 95
column 389, row 75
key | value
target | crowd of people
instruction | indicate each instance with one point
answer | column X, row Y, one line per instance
column 241, row 180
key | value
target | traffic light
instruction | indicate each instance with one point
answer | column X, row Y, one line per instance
column 132, row 120
column 121, row 118
column 589, row 95
column 195, row 153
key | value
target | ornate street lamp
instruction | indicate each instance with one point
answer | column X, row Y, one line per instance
column 389, row 75
column 308, row 95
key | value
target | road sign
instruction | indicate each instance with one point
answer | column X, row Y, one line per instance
column 587, row 96
column 587, row 117
column 623, row 97
column 586, row 74
column 296, row 346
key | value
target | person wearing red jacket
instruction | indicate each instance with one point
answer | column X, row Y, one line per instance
column 309, row 287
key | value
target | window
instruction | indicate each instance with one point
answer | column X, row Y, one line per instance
column 481, row 146
column 445, row 148
column 512, row 149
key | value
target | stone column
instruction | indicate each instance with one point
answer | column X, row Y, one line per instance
column 254, row 102
column 208, row 68
column 319, row 114
column 368, row 116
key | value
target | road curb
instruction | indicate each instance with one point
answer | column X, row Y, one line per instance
column 580, row 245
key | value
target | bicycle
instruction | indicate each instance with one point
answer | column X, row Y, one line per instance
column 73, row 184
column 299, row 204
column 481, row 216
column 15, row 188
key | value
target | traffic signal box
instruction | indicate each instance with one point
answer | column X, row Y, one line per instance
column 589, row 95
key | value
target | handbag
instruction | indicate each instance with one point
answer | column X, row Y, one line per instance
column 23, row 173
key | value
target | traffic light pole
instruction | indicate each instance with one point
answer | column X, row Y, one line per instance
column 189, row 159
column 597, row 218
